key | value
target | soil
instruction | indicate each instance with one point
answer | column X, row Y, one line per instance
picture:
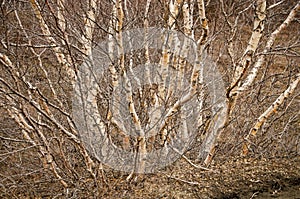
column 227, row 178
column 247, row 178
column 260, row 178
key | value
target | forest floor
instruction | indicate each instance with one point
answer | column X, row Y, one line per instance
column 228, row 177
column 257, row 178
column 235, row 178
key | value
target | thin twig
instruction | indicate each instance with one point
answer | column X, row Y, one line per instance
column 185, row 181
column 191, row 163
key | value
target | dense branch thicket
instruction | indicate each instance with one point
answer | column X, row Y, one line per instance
column 237, row 96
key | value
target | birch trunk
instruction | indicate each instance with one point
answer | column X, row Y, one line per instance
column 272, row 109
column 24, row 121
column 258, row 28
column 159, row 99
column 260, row 14
column 141, row 140
column 61, row 58
column 65, row 63
column 261, row 59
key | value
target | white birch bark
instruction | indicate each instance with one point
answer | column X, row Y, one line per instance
column 200, row 55
column 196, row 73
column 61, row 58
column 204, row 23
column 187, row 11
column 60, row 15
column 114, row 111
column 272, row 109
column 258, row 28
column 38, row 57
column 146, row 43
column 159, row 97
column 254, row 71
column 260, row 14
column 89, row 25
column 19, row 115
column 174, row 6
column 141, row 142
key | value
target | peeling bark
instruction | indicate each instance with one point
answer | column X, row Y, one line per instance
column 271, row 110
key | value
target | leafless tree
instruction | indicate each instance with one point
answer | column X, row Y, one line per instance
column 77, row 90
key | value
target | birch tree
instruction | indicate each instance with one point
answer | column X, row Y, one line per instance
column 90, row 87
column 237, row 85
